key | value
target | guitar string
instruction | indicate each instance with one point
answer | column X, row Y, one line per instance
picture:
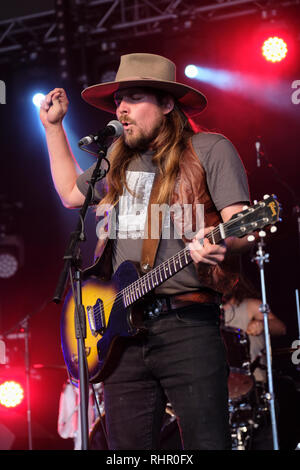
column 142, row 284
column 147, row 277
column 162, row 266
column 141, row 281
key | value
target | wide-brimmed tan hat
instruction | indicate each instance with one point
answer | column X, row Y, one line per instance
column 145, row 70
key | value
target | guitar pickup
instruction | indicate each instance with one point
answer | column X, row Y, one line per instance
column 90, row 315
column 96, row 318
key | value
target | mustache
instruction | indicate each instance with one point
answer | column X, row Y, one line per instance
column 126, row 121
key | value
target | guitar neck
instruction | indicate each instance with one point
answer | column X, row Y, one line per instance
column 250, row 219
column 165, row 270
column 156, row 277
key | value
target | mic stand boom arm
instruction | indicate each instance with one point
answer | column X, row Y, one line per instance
column 72, row 262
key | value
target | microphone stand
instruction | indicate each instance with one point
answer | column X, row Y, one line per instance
column 25, row 326
column 261, row 155
column 72, row 263
column 260, row 259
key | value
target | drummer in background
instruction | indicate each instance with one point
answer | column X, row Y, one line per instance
column 241, row 310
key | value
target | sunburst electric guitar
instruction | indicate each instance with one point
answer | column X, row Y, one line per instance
column 114, row 310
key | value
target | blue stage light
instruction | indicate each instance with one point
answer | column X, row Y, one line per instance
column 251, row 86
column 37, row 98
column 191, row 71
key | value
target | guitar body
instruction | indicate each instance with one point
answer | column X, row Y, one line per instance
column 102, row 349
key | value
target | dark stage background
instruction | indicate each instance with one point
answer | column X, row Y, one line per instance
column 258, row 103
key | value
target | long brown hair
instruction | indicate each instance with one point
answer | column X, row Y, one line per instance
column 168, row 147
column 243, row 289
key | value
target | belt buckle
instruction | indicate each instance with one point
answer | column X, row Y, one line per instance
column 154, row 309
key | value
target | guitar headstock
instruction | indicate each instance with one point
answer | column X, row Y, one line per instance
column 253, row 218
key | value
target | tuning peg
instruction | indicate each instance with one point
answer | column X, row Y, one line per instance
column 245, row 207
column 262, row 233
column 255, row 201
column 266, row 196
column 273, row 229
column 251, row 238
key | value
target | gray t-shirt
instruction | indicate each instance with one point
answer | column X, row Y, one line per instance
column 227, row 184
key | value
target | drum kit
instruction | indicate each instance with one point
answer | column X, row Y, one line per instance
column 247, row 401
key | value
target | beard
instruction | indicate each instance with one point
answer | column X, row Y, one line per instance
column 142, row 141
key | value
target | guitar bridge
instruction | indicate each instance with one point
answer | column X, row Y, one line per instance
column 96, row 318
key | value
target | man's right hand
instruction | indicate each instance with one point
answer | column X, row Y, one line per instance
column 63, row 166
column 54, row 107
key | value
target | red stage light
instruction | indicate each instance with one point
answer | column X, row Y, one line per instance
column 274, row 49
column 11, row 394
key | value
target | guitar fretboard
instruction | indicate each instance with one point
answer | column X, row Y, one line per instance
column 156, row 276
column 165, row 270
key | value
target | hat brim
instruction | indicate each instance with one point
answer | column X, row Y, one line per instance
column 192, row 101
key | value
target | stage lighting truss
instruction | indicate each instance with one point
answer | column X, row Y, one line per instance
column 11, row 255
column 112, row 20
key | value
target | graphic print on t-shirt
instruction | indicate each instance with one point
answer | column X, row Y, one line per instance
column 133, row 207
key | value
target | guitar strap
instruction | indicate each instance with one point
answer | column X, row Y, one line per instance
column 153, row 227
column 154, row 224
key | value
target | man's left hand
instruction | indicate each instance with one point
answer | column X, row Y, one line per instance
column 202, row 251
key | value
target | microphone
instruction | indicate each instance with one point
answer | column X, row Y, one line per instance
column 113, row 129
column 258, row 153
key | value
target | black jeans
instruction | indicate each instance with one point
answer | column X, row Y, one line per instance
column 181, row 361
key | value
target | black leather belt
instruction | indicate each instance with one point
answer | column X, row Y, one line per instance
column 173, row 302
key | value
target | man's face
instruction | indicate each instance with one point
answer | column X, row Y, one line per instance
column 141, row 115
